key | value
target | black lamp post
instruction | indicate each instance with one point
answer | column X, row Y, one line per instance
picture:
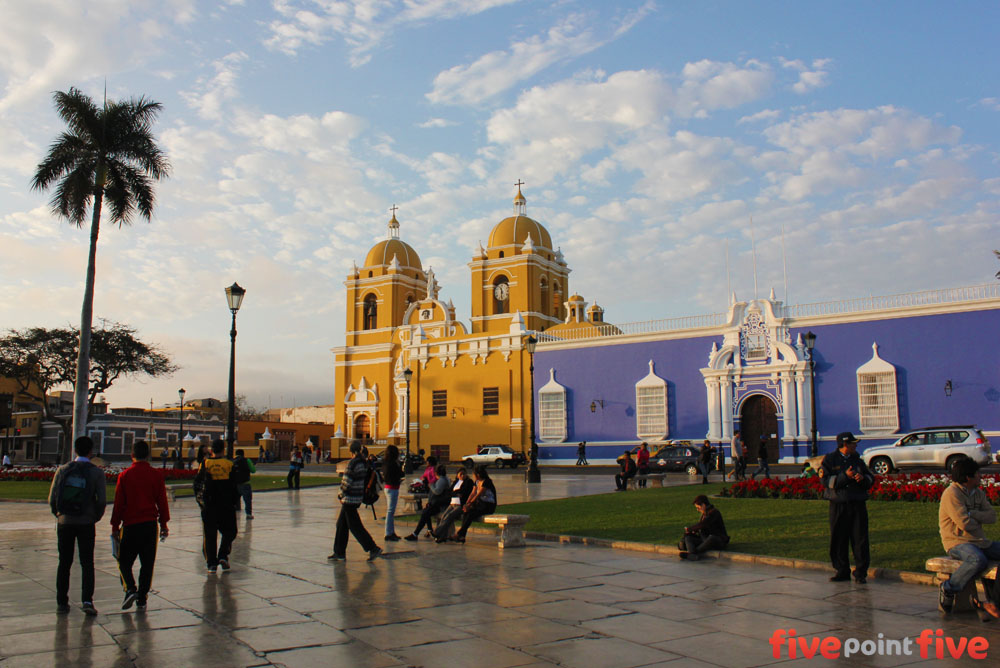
column 234, row 295
column 810, row 341
column 180, row 429
column 534, row 475
column 408, row 465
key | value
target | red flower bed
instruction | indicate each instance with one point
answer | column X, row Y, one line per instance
column 45, row 473
column 900, row 487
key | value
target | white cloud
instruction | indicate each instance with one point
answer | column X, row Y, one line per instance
column 212, row 93
column 763, row 115
column 810, row 77
column 437, row 123
column 708, row 85
column 362, row 24
column 497, row 71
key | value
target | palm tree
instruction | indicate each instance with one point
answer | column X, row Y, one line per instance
column 106, row 152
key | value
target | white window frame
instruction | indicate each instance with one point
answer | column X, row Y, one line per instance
column 652, row 411
column 552, row 425
column 878, row 396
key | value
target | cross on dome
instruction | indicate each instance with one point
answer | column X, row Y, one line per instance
column 393, row 224
column 520, row 204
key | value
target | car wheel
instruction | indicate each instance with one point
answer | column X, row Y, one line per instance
column 881, row 466
column 691, row 469
column 499, row 463
column 469, row 464
column 954, row 459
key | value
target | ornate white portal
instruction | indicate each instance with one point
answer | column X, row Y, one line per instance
column 757, row 357
column 361, row 401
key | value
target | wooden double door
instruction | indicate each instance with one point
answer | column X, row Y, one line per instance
column 759, row 417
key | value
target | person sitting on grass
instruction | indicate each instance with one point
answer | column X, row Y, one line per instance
column 963, row 511
column 626, row 474
column 708, row 534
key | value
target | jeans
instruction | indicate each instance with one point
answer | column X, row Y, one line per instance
column 973, row 560
column 293, row 474
column 643, row 470
column 391, row 497
column 138, row 540
column 448, row 517
column 704, row 468
column 762, row 466
column 475, row 511
column 621, row 481
column 245, row 491
column 698, row 544
column 349, row 519
column 69, row 536
column 430, row 510
column 217, row 519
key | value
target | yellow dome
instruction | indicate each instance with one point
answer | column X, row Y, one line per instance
column 382, row 252
column 576, row 298
column 514, row 231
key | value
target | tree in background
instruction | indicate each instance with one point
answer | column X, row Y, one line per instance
column 106, row 152
column 41, row 360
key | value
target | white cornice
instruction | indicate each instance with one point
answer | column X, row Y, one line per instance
column 365, row 362
column 370, row 348
column 524, row 314
column 889, row 314
column 535, row 258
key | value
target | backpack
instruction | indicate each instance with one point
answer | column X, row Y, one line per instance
column 241, row 472
column 200, row 488
column 373, row 482
column 73, row 490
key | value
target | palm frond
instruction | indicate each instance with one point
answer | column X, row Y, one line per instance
column 72, row 196
column 79, row 112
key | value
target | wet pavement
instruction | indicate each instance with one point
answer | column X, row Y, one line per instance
column 434, row 605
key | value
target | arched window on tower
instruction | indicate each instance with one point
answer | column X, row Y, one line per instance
column 544, row 303
column 501, row 254
column 501, row 295
column 557, row 298
column 370, row 312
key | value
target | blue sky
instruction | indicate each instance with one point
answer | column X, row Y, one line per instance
column 648, row 134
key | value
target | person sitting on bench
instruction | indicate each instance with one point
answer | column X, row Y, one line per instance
column 963, row 511
column 627, row 472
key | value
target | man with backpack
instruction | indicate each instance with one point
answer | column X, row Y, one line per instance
column 77, row 499
column 352, row 495
column 242, row 468
column 140, row 503
column 218, row 507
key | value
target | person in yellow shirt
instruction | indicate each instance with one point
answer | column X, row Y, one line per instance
column 218, row 514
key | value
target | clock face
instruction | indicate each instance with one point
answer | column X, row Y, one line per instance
column 501, row 291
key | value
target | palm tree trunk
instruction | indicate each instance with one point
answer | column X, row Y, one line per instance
column 80, row 393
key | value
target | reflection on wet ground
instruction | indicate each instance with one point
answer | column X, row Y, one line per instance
column 433, row 605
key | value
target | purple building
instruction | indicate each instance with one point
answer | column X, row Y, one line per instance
column 883, row 366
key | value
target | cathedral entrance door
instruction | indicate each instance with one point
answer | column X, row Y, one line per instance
column 362, row 428
column 759, row 416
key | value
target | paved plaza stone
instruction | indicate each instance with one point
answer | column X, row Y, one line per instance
column 283, row 604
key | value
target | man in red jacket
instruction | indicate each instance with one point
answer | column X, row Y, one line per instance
column 140, row 501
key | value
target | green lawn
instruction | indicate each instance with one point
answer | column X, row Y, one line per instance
column 903, row 535
column 39, row 490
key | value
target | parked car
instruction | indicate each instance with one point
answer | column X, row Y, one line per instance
column 498, row 455
column 930, row 446
column 635, row 451
column 416, row 460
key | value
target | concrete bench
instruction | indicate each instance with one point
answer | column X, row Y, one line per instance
column 511, row 529
column 413, row 501
column 173, row 487
column 943, row 567
column 655, row 480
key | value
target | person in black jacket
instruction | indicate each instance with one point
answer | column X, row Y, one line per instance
column 708, row 534
column 218, row 515
column 627, row 472
column 460, row 492
column 846, row 481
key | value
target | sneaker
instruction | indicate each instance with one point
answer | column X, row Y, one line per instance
column 841, row 577
column 89, row 609
column 140, row 605
column 210, row 569
column 130, row 598
column 336, row 557
column 861, row 579
column 393, row 538
column 374, row 554
column 683, row 554
column 224, row 563
column 946, row 601
column 62, row 608
column 412, row 537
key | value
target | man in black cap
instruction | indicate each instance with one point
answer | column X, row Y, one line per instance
column 846, row 481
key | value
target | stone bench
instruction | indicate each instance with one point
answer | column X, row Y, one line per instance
column 413, row 501
column 174, row 486
column 943, row 567
column 511, row 529
column 655, row 479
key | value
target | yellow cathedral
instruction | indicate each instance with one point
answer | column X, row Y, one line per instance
column 469, row 386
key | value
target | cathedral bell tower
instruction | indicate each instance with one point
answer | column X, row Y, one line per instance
column 518, row 271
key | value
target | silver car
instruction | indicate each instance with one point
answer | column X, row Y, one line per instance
column 931, row 446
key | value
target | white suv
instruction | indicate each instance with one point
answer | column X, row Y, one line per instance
column 932, row 446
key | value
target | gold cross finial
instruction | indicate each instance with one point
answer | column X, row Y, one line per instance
column 394, row 209
column 519, row 184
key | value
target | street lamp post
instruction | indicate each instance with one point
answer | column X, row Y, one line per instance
column 534, row 475
column 408, row 465
column 180, row 429
column 810, row 341
column 234, row 296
